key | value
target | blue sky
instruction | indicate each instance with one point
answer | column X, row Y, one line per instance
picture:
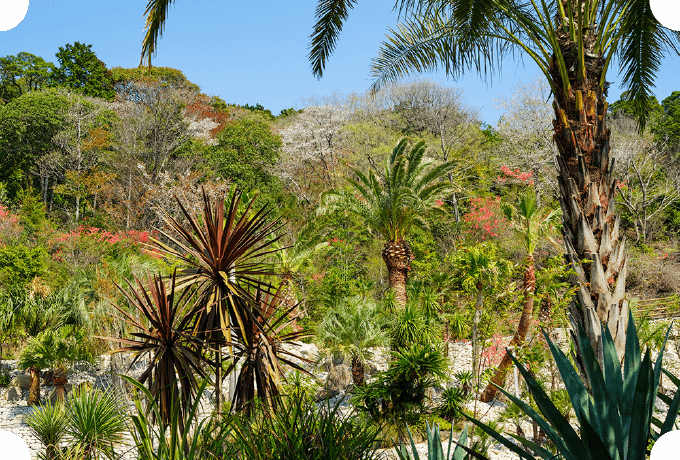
column 253, row 51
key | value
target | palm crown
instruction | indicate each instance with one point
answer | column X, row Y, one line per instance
column 397, row 203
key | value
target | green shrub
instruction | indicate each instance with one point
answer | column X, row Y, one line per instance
column 20, row 264
column 300, row 430
column 399, row 393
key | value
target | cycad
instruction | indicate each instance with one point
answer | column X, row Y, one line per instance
column 393, row 205
column 350, row 328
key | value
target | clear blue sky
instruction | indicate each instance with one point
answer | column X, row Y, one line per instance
column 250, row 51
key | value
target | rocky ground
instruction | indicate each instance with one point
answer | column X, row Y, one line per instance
column 331, row 379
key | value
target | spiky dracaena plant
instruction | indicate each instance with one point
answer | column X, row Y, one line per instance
column 222, row 253
column 261, row 352
column 573, row 43
column 393, row 204
column 162, row 331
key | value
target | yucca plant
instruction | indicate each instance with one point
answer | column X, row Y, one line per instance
column 48, row 424
column 435, row 451
column 162, row 331
column 95, row 421
column 223, row 254
column 202, row 439
column 615, row 417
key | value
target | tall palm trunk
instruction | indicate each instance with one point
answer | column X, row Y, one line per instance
column 397, row 256
column 587, row 192
column 289, row 300
column 529, row 287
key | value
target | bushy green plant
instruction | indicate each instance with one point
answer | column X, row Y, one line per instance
column 197, row 440
column 95, row 420
column 300, row 430
column 411, row 326
column 48, row 423
column 399, row 393
column 4, row 377
column 453, row 403
column 614, row 415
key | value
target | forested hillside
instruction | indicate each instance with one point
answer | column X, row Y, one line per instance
column 448, row 227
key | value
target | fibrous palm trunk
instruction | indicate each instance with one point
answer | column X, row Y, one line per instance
column 397, row 256
column 525, row 320
column 34, row 388
column 357, row 372
column 587, row 192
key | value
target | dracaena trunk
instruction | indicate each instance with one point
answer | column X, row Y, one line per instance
column 397, row 256
column 594, row 246
column 518, row 339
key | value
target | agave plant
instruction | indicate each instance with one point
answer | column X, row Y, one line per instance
column 615, row 417
column 261, row 353
column 435, row 451
column 223, row 255
column 164, row 333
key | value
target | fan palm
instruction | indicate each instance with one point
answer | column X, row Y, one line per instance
column 530, row 229
column 573, row 43
column 350, row 328
column 393, row 205
column 223, row 255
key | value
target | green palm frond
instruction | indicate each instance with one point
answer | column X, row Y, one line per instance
column 643, row 44
column 330, row 16
column 155, row 13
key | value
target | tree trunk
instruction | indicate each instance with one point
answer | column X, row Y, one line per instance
column 357, row 372
column 34, row 389
column 529, row 287
column 479, row 304
column 397, row 256
column 587, row 192
column 289, row 300
column 60, row 382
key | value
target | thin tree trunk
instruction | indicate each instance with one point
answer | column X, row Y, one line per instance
column 397, row 256
column 479, row 305
column 587, row 192
column 529, row 287
column 218, row 382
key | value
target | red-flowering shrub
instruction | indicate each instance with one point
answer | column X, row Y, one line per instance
column 484, row 218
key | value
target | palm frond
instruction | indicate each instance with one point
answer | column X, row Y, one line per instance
column 330, row 16
column 155, row 13
column 643, row 42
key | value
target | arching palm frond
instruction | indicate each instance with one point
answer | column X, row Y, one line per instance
column 155, row 13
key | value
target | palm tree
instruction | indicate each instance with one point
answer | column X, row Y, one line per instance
column 530, row 229
column 393, row 205
column 573, row 42
column 350, row 328
column 479, row 269
column 289, row 262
